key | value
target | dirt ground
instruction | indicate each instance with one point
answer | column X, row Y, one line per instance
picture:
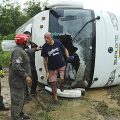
column 97, row 104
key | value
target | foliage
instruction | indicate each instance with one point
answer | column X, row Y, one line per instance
column 6, row 25
column 5, row 58
column 1, row 38
column 7, row 37
column 11, row 17
column 33, row 7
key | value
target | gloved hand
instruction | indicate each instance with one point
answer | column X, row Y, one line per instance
column 69, row 59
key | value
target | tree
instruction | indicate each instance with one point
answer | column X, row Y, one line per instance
column 33, row 8
column 11, row 17
column 6, row 25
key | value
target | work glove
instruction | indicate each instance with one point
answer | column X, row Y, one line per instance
column 69, row 59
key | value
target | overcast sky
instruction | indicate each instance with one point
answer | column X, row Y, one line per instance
column 109, row 5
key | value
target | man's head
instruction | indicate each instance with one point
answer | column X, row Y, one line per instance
column 21, row 39
column 28, row 34
column 48, row 38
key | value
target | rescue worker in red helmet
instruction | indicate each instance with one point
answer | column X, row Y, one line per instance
column 19, row 77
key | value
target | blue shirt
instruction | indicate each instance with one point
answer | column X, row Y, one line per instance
column 54, row 53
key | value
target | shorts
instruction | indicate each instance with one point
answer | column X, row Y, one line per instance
column 53, row 74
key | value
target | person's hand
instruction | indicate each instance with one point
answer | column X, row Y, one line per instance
column 39, row 48
column 28, row 81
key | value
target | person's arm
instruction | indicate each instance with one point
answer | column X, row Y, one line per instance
column 45, row 61
column 66, row 53
column 30, row 51
column 37, row 48
column 64, row 50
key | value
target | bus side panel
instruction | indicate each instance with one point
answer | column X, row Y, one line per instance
column 105, row 51
column 39, row 28
column 117, row 51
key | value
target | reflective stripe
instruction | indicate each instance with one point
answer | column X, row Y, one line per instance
column 19, row 60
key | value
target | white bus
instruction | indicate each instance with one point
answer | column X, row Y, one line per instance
column 93, row 35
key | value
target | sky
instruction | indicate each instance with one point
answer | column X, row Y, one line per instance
column 108, row 5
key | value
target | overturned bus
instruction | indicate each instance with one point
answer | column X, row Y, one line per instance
column 91, row 37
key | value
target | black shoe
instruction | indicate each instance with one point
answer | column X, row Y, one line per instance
column 83, row 93
column 28, row 98
column 62, row 87
column 55, row 102
column 3, row 108
column 33, row 93
column 24, row 117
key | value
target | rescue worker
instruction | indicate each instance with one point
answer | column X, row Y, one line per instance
column 53, row 51
column 19, row 77
column 2, row 106
column 31, row 48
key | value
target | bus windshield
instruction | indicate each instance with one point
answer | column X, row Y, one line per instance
column 69, row 22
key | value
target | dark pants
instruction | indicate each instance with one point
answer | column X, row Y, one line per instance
column 18, row 96
column 35, row 81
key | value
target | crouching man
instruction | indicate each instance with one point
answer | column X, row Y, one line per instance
column 19, row 77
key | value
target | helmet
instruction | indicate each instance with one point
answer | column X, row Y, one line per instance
column 20, row 39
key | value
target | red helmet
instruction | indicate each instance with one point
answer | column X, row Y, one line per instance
column 20, row 39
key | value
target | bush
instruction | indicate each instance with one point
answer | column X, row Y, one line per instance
column 7, row 37
column 5, row 58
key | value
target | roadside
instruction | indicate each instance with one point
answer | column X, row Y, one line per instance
column 97, row 104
